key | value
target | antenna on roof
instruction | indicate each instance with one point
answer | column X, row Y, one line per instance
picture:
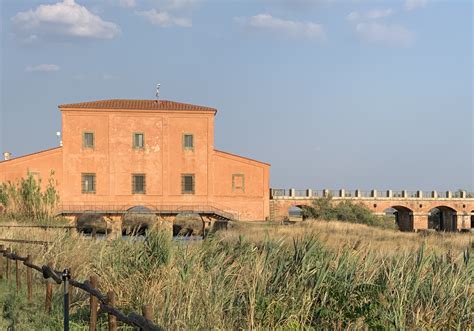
column 158, row 92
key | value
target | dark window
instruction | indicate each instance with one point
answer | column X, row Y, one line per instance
column 187, row 183
column 138, row 140
column 238, row 182
column 188, row 141
column 138, row 184
column 88, row 140
column 88, row 183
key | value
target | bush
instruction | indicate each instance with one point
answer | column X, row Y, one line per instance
column 346, row 211
column 25, row 199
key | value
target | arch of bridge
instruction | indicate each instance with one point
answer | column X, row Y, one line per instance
column 416, row 205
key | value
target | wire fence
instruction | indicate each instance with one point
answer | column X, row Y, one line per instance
column 106, row 302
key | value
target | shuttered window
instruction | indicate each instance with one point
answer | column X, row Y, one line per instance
column 88, row 183
column 138, row 140
column 188, row 141
column 138, row 184
column 88, row 140
column 187, row 183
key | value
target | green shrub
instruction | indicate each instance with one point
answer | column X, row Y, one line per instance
column 346, row 211
column 24, row 199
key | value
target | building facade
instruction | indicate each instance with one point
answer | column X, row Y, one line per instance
column 120, row 154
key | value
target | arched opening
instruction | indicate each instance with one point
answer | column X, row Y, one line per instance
column 402, row 216
column 188, row 225
column 137, row 221
column 472, row 219
column 295, row 214
column 91, row 223
column 442, row 218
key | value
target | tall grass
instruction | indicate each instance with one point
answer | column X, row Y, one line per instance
column 236, row 281
column 26, row 200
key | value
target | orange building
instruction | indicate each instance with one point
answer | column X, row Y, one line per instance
column 118, row 154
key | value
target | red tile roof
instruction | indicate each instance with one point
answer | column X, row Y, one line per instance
column 137, row 105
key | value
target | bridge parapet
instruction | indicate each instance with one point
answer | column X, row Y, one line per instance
column 373, row 194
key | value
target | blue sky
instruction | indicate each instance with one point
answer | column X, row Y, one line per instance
column 334, row 94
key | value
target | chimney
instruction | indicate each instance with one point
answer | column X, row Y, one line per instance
column 7, row 156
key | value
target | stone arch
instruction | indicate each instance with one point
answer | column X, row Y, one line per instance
column 91, row 222
column 442, row 218
column 138, row 219
column 188, row 224
column 403, row 217
column 295, row 212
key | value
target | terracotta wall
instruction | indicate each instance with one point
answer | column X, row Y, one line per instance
column 114, row 159
column 39, row 164
column 252, row 201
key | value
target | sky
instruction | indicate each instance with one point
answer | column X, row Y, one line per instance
column 353, row 94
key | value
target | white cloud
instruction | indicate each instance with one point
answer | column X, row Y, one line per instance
column 164, row 19
column 414, row 4
column 62, row 19
column 392, row 35
column 370, row 15
column 42, row 68
column 294, row 29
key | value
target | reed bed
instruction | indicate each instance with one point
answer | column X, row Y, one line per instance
column 318, row 275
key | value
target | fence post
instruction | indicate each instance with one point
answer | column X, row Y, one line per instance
column 112, row 319
column 29, row 279
column 8, row 264
column 17, row 275
column 1, row 262
column 49, row 293
column 93, row 305
column 65, row 277
column 147, row 312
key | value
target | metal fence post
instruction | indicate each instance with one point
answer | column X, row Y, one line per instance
column 65, row 277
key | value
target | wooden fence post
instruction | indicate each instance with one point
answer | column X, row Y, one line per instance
column 49, row 293
column 93, row 305
column 147, row 312
column 8, row 264
column 1, row 262
column 112, row 319
column 17, row 275
column 29, row 279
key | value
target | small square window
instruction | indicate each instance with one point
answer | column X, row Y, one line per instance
column 88, row 183
column 138, row 184
column 238, row 182
column 188, row 141
column 88, row 140
column 138, row 140
column 187, row 183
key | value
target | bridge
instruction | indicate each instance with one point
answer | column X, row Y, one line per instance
column 411, row 209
